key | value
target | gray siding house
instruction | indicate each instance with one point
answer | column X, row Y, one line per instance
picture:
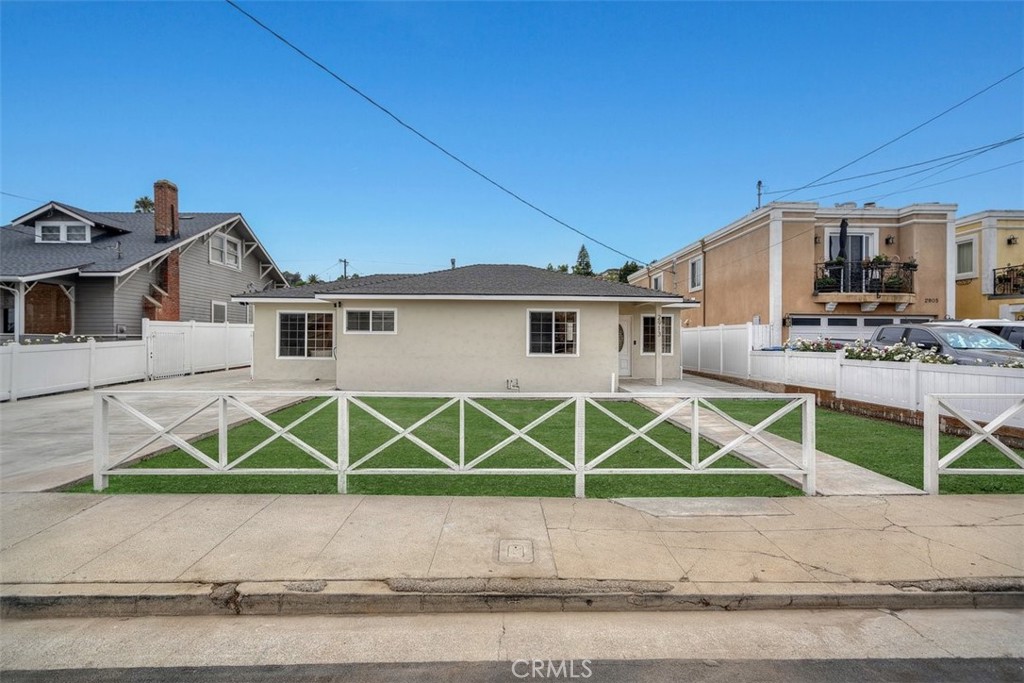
column 71, row 271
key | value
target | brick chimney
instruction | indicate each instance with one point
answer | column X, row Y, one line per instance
column 165, row 210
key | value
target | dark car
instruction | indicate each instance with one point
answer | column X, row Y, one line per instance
column 966, row 345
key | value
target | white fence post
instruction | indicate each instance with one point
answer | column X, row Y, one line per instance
column 191, row 347
column 15, row 363
column 721, row 349
column 580, row 450
column 343, row 445
column 100, row 442
column 149, row 348
column 92, row 364
column 840, row 357
column 916, row 400
column 222, row 431
column 931, row 444
column 750, row 346
column 227, row 344
column 809, row 446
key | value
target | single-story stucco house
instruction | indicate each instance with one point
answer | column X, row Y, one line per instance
column 474, row 328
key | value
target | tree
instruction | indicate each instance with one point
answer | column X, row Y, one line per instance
column 562, row 268
column 627, row 269
column 293, row 279
column 313, row 279
column 583, row 266
column 144, row 205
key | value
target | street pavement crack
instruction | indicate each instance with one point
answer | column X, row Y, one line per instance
column 440, row 532
column 924, row 637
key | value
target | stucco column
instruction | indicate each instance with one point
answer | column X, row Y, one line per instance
column 657, row 346
column 19, row 312
column 775, row 275
column 987, row 257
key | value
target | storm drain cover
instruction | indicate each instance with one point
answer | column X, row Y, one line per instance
column 515, row 551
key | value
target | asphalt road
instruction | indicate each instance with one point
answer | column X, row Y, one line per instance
column 946, row 669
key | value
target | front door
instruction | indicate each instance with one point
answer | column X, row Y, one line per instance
column 625, row 346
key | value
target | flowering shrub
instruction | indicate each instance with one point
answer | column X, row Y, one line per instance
column 820, row 345
column 59, row 338
column 1013, row 364
column 898, row 352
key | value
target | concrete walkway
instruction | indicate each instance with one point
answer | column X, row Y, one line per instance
column 834, row 476
column 46, row 442
column 274, row 553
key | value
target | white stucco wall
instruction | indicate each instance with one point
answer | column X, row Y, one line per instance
column 266, row 365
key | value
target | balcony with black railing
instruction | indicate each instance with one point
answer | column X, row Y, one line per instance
column 1008, row 281
column 868, row 283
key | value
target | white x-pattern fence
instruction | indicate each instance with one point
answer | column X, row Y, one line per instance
column 934, row 465
column 459, row 462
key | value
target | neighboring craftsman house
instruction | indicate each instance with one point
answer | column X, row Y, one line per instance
column 65, row 270
column 780, row 265
column 990, row 265
column 474, row 328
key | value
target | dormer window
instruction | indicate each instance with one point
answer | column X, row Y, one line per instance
column 53, row 231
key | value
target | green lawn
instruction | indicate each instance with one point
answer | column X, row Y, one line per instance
column 895, row 450
column 442, row 433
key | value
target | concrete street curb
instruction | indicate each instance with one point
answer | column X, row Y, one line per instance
column 422, row 596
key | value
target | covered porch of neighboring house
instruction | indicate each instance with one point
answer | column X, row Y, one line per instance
column 42, row 305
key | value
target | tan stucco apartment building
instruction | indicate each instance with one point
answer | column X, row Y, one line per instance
column 778, row 265
column 482, row 328
column 990, row 265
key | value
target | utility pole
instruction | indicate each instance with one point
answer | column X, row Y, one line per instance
column 344, row 268
column 759, row 186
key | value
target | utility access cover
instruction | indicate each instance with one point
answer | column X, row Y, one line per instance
column 515, row 551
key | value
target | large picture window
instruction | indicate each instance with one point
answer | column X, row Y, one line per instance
column 226, row 251
column 305, row 335
column 370, row 321
column 649, row 338
column 553, row 333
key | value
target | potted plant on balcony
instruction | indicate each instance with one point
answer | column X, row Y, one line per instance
column 881, row 261
column 825, row 284
column 894, row 283
column 910, row 265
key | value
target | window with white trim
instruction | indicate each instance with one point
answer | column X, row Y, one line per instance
column 62, row 231
column 226, row 250
column 553, row 333
column 696, row 273
column 305, row 335
column 648, row 334
column 218, row 311
column 965, row 258
column 656, row 282
column 371, row 321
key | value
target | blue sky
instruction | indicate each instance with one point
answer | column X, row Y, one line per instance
column 645, row 125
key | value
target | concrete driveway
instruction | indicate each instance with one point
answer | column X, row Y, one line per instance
column 46, row 441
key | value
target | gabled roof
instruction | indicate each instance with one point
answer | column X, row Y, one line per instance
column 123, row 241
column 472, row 282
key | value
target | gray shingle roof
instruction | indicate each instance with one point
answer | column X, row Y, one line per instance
column 21, row 256
column 477, row 280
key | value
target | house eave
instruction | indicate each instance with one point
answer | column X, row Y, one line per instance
column 500, row 297
column 39, row 276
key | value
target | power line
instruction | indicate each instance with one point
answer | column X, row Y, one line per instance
column 423, row 137
column 993, row 145
column 18, row 196
column 903, row 135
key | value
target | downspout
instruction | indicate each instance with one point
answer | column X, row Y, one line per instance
column 703, row 284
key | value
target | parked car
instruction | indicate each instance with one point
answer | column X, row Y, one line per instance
column 1010, row 330
column 966, row 345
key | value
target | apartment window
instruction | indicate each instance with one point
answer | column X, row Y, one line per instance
column 226, row 251
column 218, row 312
column 656, row 282
column 648, row 334
column 965, row 258
column 553, row 333
column 62, row 232
column 305, row 335
column 696, row 273
column 370, row 321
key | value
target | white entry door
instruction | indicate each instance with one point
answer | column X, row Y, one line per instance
column 625, row 346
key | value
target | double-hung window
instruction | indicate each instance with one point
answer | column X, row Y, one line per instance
column 696, row 273
column 62, row 232
column 553, row 333
column 370, row 321
column 226, row 250
column 649, row 334
column 305, row 335
column 965, row 258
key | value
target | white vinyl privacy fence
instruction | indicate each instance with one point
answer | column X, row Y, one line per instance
column 446, row 436
column 727, row 351
column 167, row 349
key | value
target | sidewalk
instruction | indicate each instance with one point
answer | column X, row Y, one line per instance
column 82, row 554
